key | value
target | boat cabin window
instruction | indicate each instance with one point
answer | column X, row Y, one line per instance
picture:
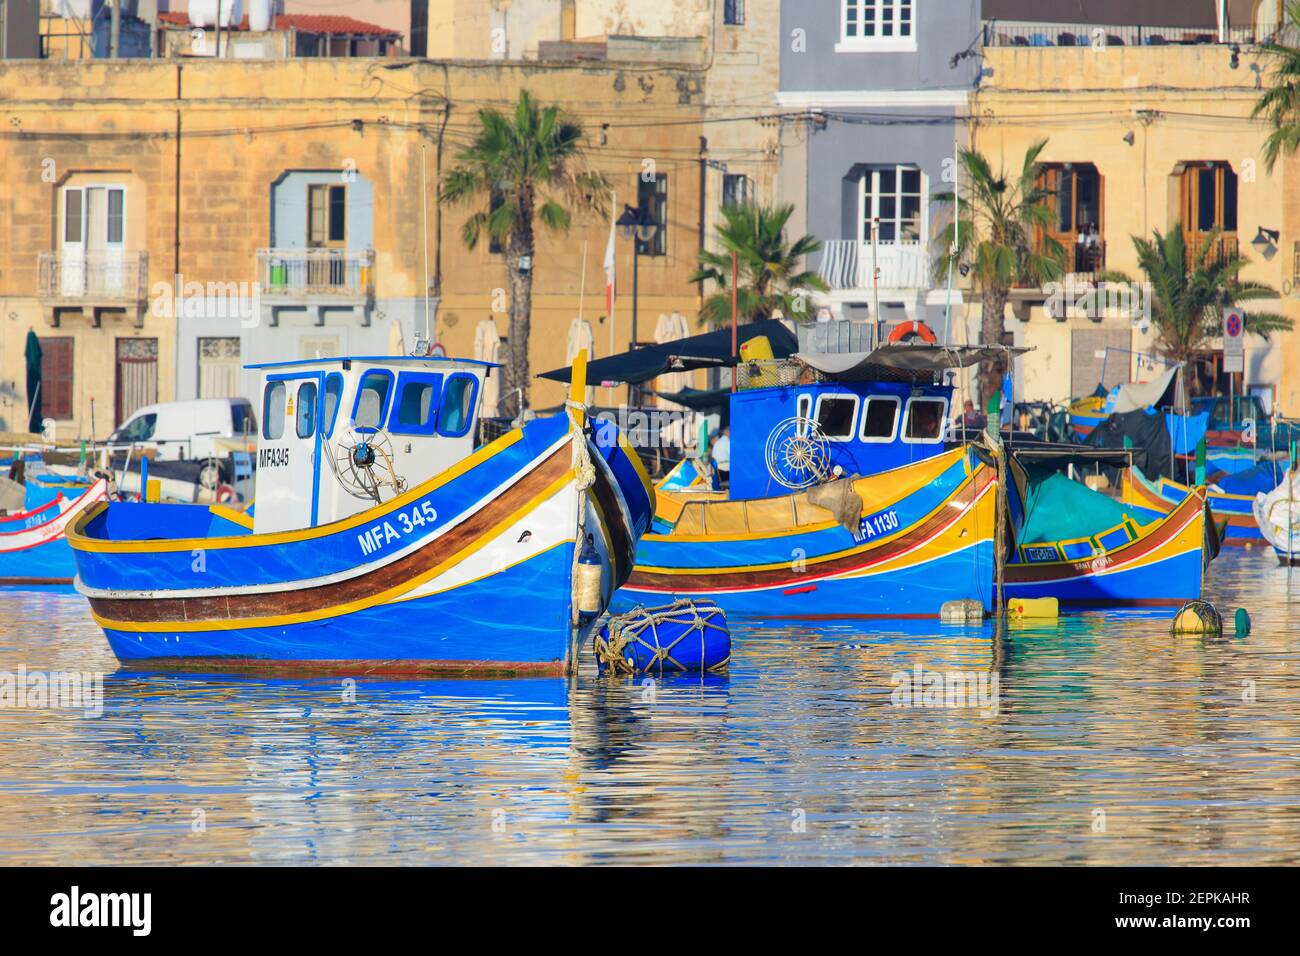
column 457, row 406
column 417, row 403
column 333, row 391
column 803, row 410
column 372, row 399
column 273, row 411
column 836, row 415
column 925, row 420
column 306, row 420
column 880, row 418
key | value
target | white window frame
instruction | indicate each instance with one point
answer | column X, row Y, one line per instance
column 943, row 421
column 871, row 177
column 838, row 397
column 898, row 417
column 878, row 43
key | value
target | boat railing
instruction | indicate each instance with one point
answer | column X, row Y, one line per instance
column 772, row 373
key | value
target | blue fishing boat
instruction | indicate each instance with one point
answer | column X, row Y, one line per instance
column 383, row 542
column 846, row 499
column 33, row 546
column 1088, row 550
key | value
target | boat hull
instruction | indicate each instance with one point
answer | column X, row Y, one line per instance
column 939, row 549
column 1234, row 513
column 471, row 572
column 33, row 546
column 1162, row 567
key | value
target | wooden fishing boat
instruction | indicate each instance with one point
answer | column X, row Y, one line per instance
column 1232, row 513
column 845, row 500
column 382, row 541
column 33, row 546
column 1087, row 550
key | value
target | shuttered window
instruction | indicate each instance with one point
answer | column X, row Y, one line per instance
column 56, row 378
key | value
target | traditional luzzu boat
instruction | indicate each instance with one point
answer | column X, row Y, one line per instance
column 1088, row 550
column 33, row 546
column 845, row 499
column 383, row 542
column 1233, row 513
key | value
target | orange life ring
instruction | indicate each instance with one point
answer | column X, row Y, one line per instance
column 907, row 330
column 225, row 494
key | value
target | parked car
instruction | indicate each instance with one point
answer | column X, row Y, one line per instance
column 188, row 431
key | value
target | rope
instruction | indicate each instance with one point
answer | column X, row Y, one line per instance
column 630, row 629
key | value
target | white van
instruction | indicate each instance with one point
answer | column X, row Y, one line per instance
column 187, row 431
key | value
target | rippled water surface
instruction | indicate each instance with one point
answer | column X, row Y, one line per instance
column 1111, row 742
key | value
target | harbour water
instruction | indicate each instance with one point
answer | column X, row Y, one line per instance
column 1104, row 740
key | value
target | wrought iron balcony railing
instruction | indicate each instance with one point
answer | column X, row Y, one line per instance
column 99, row 276
column 346, row 273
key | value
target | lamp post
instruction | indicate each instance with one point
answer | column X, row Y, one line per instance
column 638, row 225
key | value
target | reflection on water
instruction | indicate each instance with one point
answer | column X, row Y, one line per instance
column 1111, row 743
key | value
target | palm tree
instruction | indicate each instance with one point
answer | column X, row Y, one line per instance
column 1281, row 101
column 1002, row 237
column 1188, row 298
column 521, row 169
column 770, row 276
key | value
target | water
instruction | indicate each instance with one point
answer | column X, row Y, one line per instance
column 1112, row 743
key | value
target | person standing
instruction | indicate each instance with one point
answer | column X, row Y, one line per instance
column 721, row 455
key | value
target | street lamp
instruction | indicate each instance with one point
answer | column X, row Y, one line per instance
column 1265, row 242
column 638, row 225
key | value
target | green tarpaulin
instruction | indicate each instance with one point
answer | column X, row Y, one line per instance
column 33, row 354
column 1058, row 509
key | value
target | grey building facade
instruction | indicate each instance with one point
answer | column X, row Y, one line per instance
column 883, row 89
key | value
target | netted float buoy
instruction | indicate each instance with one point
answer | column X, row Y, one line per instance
column 679, row 638
column 1197, row 617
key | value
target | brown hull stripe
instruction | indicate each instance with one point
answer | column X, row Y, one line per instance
column 1033, row 573
column 775, row 577
column 302, row 600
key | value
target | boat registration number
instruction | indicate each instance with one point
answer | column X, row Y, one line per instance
column 396, row 527
column 873, row 526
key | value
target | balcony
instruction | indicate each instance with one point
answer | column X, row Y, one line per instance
column 1042, row 35
column 104, row 280
column 306, row 275
column 851, row 264
column 1223, row 248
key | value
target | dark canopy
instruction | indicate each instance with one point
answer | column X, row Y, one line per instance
column 703, row 400
column 902, row 360
column 710, row 350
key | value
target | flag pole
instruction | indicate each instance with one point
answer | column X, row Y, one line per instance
column 735, row 350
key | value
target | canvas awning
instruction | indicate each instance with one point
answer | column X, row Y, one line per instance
column 890, row 361
column 1153, row 394
column 709, row 350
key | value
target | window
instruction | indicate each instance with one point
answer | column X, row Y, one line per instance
column 1209, row 204
column 652, row 194
column 417, row 403
column 326, row 216
column 735, row 189
column 457, row 406
column 1076, row 201
column 877, row 24
column 372, row 399
column 115, row 215
column 140, row 428
column 892, row 195
column 72, row 215
column 306, row 420
column 733, row 12
column 241, row 417
column 219, row 366
column 880, row 419
column 925, row 419
column 273, row 411
column 333, row 391
column 836, row 415
column 495, row 201
column 56, row 378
